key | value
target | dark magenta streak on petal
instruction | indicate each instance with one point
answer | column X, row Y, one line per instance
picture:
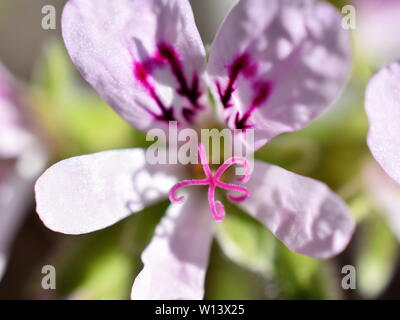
column 141, row 72
column 191, row 92
column 262, row 92
column 240, row 65
column 188, row 114
column 166, row 55
column 241, row 122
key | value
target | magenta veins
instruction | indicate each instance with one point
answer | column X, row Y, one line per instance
column 213, row 181
column 242, row 65
column 166, row 56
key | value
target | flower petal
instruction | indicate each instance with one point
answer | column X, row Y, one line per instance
column 382, row 103
column 14, row 134
column 176, row 260
column 14, row 193
column 91, row 192
column 145, row 58
column 377, row 30
column 303, row 213
column 277, row 65
column 10, row 212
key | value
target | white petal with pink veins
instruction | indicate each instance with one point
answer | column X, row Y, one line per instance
column 277, row 65
column 145, row 58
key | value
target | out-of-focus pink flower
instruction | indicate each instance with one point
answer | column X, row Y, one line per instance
column 274, row 66
column 21, row 160
column 377, row 30
column 14, row 134
column 382, row 103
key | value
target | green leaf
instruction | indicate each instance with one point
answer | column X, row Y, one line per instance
column 376, row 256
column 339, row 3
column 301, row 277
column 93, row 266
column 103, row 264
column 227, row 280
column 246, row 241
column 360, row 205
column 54, row 73
column 109, row 278
column 291, row 152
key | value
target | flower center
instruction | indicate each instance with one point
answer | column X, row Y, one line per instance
column 213, row 181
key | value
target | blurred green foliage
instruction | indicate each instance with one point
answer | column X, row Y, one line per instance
column 78, row 120
column 376, row 255
column 103, row 264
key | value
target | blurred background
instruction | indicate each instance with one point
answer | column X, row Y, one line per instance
column 63, row 117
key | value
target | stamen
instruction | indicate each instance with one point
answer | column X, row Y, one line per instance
column 213, row 181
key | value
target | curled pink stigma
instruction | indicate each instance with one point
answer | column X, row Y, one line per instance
column 213, row 181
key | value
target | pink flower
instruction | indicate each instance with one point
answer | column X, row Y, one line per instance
column 382, row 103
column 14, row 135
column 21, row 160
column 377, row 30
column 274, row 66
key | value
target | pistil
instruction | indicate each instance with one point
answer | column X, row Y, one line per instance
column 213, row 181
